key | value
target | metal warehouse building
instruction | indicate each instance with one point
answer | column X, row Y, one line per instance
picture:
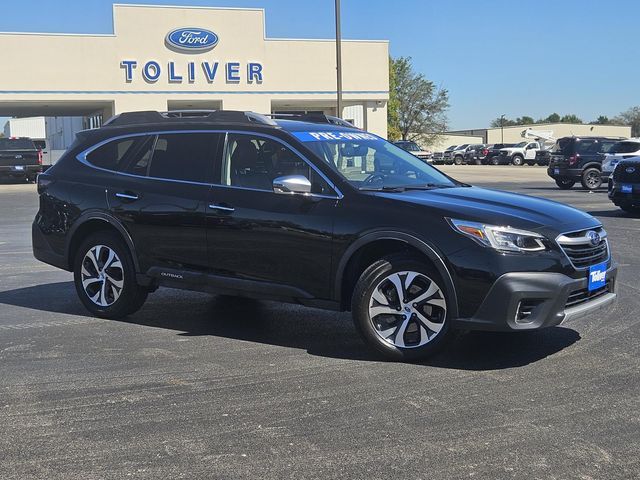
column 142, row 66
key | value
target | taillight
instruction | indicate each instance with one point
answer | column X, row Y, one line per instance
column 573, row 159
column 39, row 156
column 485, row 151
column 43, row 181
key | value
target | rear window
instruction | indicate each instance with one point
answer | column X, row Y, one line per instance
column 564, row 146
column 112, row 155
column 16, row 144
column 625, row 147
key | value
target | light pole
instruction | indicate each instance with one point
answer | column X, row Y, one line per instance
column 338, row 60
column 502, row 128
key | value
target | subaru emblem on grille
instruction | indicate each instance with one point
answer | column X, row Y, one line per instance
column 594, row 237
column 630, row 169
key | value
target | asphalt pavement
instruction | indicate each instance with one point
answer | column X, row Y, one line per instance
column 201, row 387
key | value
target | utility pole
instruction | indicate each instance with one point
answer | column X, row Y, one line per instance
column 338, row 60
column 502, row 128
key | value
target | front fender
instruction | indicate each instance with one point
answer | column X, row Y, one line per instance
column 430, row 251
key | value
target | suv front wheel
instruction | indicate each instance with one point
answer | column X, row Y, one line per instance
column 105, row 277
column 400, row 308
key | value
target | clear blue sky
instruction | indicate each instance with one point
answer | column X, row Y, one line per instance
column 494, row 56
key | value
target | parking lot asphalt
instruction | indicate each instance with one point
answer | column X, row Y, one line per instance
column 195, row 386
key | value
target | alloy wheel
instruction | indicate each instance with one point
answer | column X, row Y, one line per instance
column 407, row 309
column 593, row 180
column 102, row 275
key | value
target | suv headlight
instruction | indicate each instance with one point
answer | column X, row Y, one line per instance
column 506, row 239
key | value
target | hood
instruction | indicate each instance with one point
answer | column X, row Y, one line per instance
column 500, row 208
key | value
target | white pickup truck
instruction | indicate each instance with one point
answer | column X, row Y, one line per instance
column 521, row 153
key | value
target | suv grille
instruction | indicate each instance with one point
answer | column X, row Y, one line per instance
column 620, row 172
column 584, row 295
column 580, row 249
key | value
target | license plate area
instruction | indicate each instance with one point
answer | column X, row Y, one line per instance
column 19, row 167
column 626, row 188
column 597, row 276
column 556, row 171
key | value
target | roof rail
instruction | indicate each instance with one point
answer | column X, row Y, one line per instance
column 312, row 118
column 214, row 116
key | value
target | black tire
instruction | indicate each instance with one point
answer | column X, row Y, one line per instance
column 591, row 179
column 517, row 160
column 362, row 296
column 495, row 161
column 458, row 160
column 531, row 164
column 131, row 297
column 565, row 183
column 478, row 161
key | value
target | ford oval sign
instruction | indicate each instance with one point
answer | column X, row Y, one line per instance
column 191, row 40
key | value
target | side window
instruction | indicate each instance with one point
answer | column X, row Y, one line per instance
column 182, row 156
column 584, row 147
column 605, row 147
column 138, row 163
column 254, row 162
column 112, row 155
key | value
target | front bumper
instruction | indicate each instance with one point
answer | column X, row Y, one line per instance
column 630, row 196
column 549, row 299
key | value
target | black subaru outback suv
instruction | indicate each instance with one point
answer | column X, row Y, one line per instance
column 313, row 213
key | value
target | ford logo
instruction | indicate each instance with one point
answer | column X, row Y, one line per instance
column 594, row 237
column 630, row 169
column 191, row 40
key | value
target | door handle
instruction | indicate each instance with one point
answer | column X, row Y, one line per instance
column 127, row 196
column 221, row 208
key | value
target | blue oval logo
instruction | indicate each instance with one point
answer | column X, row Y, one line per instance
column 191, row 40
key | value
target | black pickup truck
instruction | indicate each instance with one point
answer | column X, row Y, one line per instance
column 19, row 158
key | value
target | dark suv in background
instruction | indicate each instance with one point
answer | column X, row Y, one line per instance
column 313, row 213
column 579, row 159
column 624, row 185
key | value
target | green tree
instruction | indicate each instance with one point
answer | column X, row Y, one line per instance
column 630, row 117
column 503, row 122
column 602, row 120
column 571, row 118
column 553, row 118
column 421, row 106
column 393, row 129
column 525, row 120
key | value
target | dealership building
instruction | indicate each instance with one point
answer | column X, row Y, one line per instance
column 175, row 58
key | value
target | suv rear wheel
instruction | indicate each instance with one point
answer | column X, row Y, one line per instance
column 399, row 307
column 105, row 278
column 591, row 179
column 565, row 183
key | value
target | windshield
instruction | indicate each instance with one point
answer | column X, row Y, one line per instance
column 521, row 144
column 371, row 163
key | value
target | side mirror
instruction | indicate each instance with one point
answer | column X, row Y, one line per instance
column 292, row 184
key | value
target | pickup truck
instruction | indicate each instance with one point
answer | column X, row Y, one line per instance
column 19, row 158
column 414, row 149
column 521, row 153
